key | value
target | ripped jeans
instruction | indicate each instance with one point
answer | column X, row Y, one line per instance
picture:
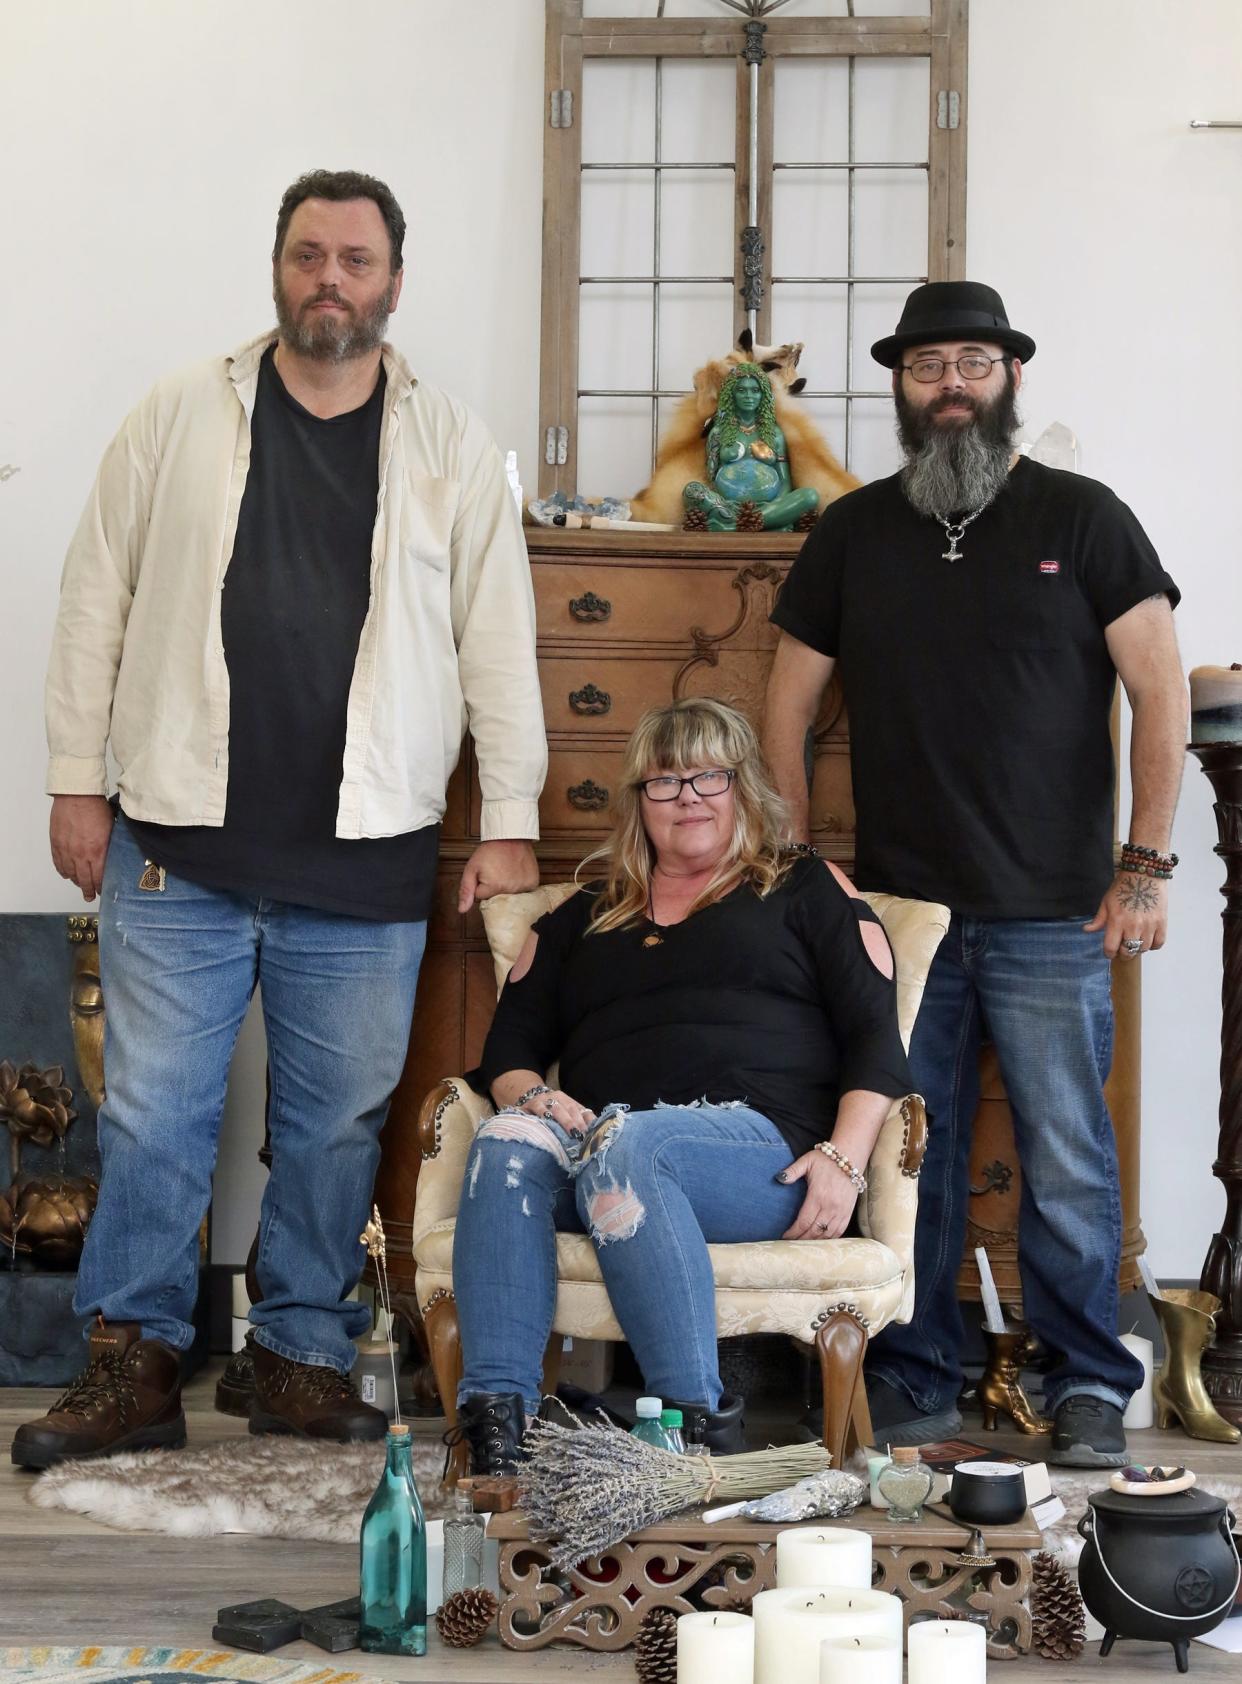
column 653, row 1190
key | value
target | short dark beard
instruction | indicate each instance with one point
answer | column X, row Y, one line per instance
column 957, row 467
column 327, row 340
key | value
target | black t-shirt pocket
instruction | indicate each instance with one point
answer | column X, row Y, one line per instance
column 1027, row 602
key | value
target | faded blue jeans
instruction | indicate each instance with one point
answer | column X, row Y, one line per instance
column 659, row 1186
column 1039, row 989
column 178, row 968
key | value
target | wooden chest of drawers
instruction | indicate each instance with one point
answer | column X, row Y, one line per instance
column 628, row 620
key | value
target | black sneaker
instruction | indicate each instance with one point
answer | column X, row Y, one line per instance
column 895, row 1418
column 1087, row 1433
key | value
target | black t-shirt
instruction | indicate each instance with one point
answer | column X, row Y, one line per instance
column 296, row 593
column 978, row 691
column 774, row 1001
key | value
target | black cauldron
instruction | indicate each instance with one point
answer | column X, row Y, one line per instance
column 1160, row 1568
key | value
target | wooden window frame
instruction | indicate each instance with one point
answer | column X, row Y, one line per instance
column 570, row 39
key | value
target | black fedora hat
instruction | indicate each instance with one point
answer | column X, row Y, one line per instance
column 952, row 310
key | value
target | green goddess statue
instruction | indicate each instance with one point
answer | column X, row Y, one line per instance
column 748, row 460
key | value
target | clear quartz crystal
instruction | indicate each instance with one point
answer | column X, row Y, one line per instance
column 906, row 1484
column 463, row 1547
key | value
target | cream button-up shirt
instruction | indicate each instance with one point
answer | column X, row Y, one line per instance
column 448, row 643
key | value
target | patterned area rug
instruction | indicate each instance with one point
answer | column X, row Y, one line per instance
column 49, row 1665
column 267, row 1487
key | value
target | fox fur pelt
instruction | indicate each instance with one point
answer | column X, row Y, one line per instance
column 682, row 455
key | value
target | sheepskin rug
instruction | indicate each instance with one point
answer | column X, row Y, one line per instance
column 269, row 1487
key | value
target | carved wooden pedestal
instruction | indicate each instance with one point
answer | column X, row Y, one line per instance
column 1222, row 1269
column 684, row 1564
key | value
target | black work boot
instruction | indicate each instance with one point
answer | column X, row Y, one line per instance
column 492, row 1424
column 720, row 1431
column 128, row 1397
column 1087, row 1433
column 235, row 1387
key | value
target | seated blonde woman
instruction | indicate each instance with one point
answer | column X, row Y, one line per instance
column 724, row 1014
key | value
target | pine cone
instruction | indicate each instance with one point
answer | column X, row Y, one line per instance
column 695, row 521
column 749, row 516
column 655, row 1648
column 465, row 1618
column 1058, row 1629
column 805, row 522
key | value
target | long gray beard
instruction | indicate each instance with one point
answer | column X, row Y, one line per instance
column 955, row 470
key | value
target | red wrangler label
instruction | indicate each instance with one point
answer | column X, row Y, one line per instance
column 1050, row 567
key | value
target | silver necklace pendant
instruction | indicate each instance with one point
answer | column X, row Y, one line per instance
column 953, row 531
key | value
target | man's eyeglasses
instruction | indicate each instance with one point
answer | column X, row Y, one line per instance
column 668, row 788
column 973, row 366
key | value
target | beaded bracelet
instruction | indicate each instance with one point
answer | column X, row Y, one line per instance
column 1147, row 862
column 532, row 1093
column 856, row 1178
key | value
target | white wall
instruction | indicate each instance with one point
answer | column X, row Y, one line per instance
column 155, row 139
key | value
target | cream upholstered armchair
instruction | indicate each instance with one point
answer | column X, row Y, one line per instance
column 833, row 1294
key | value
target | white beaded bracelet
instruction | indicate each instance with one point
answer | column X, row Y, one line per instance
column 857, row 1180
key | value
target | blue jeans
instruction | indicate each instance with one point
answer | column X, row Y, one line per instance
column 657, row 1188
column 1039, row 990
column 178, row 968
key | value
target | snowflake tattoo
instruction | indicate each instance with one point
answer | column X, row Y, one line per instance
column 1137, row 894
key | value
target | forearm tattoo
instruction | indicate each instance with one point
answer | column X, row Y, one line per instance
column 1137, row 894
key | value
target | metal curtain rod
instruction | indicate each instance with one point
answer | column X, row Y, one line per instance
column 1201, row 123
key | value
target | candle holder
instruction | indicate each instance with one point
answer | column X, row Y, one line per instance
column 1221, row 1365
column 1000, row 1389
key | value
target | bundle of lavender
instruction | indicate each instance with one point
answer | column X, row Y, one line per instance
column 584, row 1489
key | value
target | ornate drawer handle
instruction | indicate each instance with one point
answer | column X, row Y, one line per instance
column 590, row 700
column 589, row 607
column 997, row 1178
column 587, row 797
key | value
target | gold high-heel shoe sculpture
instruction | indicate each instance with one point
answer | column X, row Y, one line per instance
column 1178, row 1393
column 1000, row 1389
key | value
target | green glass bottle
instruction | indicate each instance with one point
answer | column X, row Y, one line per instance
column 394, row 1558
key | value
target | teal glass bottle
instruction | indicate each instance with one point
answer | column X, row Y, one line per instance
column 393, row 1548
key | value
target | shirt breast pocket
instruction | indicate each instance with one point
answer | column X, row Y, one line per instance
column 1026, row 604
column 428, row 509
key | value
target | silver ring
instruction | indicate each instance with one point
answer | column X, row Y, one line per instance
column 1132, row 946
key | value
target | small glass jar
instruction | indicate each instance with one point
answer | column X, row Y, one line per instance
column 906, row 1484
column 463, row 1546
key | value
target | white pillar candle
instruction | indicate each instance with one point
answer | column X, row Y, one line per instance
column 1139, row 1409
column 860, row 1660
column 791, row 1623
column 946, row 1652
column 715, row 1649
column 823, row 1556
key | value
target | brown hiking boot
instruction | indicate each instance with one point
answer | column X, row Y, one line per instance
column 308, row 1399
column 128, row 1397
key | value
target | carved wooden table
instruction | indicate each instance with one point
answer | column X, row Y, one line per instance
column 685, row 1564
column 1222, row 1268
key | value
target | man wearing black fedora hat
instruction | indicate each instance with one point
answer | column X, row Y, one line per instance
column 979, row 608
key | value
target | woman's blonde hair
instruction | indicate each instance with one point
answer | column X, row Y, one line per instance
column 683, row 737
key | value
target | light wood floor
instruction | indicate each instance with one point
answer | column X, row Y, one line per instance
column 65, row 1579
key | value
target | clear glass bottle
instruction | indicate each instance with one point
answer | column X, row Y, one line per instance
column 393, row 1551
column 463, row 1546
column 906, row 1484
column 672, row 1422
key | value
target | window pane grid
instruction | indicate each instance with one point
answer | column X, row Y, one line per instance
column 878, row 170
